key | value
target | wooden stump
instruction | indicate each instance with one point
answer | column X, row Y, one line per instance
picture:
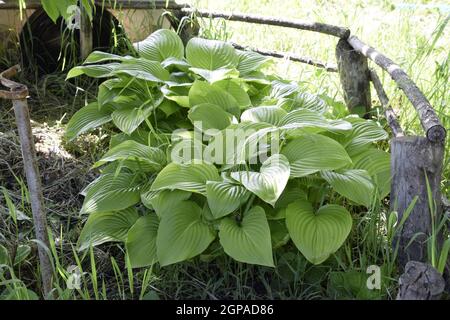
column 420, row 282
column 411, row 158
column 355, row 77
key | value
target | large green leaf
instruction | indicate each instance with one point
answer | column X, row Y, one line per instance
column 143, row 69
column 353, row 184
column 224, row 197
column 203, row 92
column 107, row 226
column 128, row 119
column 210, row 54
column 146, row 158
column 100, row 56
column 182, row 234
column 208, row 116
column 269, row 183
column 304, row 120
column 248, row 240
column 85, row 119
column 304, row 100
column 160, row 45
column 378, row 165
column 190, row 177
column 268, row 114
column 94, row 70
column 112, row 192
column 311, row 153
column 164, row 200
column 363, row 134
column 250, row 61
column 141, row 241
column 236, row 90
column 317, row 235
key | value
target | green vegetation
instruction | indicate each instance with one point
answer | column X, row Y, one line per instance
column 154, row 226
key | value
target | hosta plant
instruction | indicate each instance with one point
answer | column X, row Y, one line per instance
column 210, row 152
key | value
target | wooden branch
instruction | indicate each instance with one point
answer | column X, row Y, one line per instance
column 414, row 160
column 389, row 113
column 288, row 23
column 290, row 56
column 355, row 78
column 31, row 172
column 433, row 127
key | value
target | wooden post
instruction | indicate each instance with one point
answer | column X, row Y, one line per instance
column 18, row 95
column 86, row 38
column 355, row 78
column 411, row 159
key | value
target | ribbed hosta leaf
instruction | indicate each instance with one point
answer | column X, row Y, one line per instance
column 93, row 71
column 216, row 75
column 282, row 89
column 378, row 165
column 304, row 100
column 224, row 197
column 146, row 158
column 160, row 45
column 182, row 234
column 317, row 234
column 141, row 241
column 250, row 61
column 248, row 240
column 104, row 227
column 269, row 183
column 203, row 92
column 164, row 200
column 210, row 54
column 100, row 56
column 85, row 119
column 143, row 69
column 189, row 177
column 207, row 116
column 354, row 184
column 268, row 114
column 311, row 153
column 364, row 133
column 128, row 119
column 235, row 89
column 111, row 193
column 304, row 120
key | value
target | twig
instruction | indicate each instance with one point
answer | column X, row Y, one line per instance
column 290, row 56
column 389, row 113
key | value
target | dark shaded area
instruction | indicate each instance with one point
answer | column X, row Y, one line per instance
column 46, row 46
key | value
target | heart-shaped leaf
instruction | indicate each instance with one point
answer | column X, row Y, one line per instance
column 182, row 234
column 269, row 183
column 268, row 114
column 112, row 192
column 104, row 227
column 208, row 116
column 353, row 184
column 164, row 200
column 250, row 61
column 87, row 118
column 248, row 240
column 141, row 241
column 210, row 54
column 190, row 177
column 224, row 197
column 317, row 235
column 146, row 158
column 311, row 153
column 160, row 45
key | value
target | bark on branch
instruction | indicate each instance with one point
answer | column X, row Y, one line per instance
column 289, row 23
column 290, row 56
column 433, row 127
column 389, row 113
